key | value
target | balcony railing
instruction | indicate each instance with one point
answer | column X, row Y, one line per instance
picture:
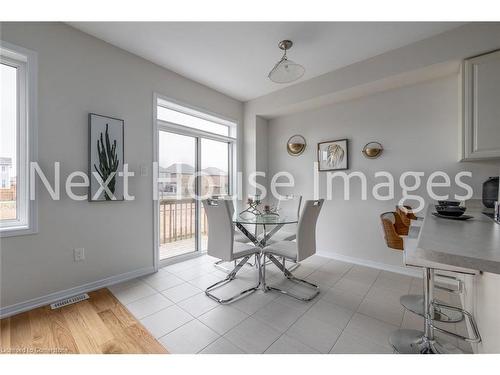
column 177, row 220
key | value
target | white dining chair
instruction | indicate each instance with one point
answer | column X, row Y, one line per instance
column 296, row 251
column 238, row 237
column 221, row 245
column 288, row 206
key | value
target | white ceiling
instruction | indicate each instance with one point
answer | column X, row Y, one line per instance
column 235, row 57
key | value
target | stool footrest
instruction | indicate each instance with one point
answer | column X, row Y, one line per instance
column 476, row 336
column 415, row 304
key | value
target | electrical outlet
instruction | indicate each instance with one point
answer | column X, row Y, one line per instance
column 143, row 170
column 79, row 254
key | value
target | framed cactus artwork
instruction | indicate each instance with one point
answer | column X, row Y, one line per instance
column 106, row 158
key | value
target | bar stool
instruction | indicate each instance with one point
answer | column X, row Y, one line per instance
column 404, row 217
column 408, row 341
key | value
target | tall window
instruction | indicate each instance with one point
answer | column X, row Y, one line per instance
column 196, row 158
column 17, row 137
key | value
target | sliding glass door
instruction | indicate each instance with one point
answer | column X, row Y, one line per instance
column 195, row 159
column 177, row 183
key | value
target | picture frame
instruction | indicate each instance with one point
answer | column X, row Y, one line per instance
column 106, row 155
column 333, row 155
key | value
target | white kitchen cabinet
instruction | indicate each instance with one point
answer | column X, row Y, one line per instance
column 480, row 130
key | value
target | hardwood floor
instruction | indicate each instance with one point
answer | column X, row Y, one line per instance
column 100, row 324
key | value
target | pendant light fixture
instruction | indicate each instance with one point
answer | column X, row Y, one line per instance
column 285, row 70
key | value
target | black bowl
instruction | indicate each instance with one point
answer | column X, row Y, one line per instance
column 454, row 211
column 449, row 203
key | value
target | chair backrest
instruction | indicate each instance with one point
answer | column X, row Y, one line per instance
column 290, row 205
column 306, row 229
column 220, row 228
column 402, row 224
column 408, row 210
column 391, row 237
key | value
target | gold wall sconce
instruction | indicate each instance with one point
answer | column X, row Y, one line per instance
column 296, row 145
column 372, row 150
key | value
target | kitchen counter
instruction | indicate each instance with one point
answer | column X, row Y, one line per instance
column 473, row 243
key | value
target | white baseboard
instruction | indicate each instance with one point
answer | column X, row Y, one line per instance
column 85, row 288
column 369, row 263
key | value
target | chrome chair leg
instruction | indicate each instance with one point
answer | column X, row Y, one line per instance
column 230, row 277
column 228, row 270
column 293, row 267
column 290, row 277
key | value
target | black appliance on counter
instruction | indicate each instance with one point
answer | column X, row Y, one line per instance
column 490, row 192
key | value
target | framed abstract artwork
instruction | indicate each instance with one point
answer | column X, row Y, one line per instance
column 333, row 155
column 106, row 158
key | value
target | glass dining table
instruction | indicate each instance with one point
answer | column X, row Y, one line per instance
column 270, row 225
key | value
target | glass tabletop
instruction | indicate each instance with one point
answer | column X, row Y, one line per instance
column 264, row 219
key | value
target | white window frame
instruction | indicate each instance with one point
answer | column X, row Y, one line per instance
column 160, row 125
column 27, row 70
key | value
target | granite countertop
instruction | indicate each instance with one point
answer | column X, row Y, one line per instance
column 473, row 243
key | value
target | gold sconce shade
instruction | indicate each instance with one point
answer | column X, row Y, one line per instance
column 372, row 150
column 296, row 145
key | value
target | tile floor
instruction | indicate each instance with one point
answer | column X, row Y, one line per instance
column 356, row 311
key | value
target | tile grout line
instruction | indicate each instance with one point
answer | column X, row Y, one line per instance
column 354, row 313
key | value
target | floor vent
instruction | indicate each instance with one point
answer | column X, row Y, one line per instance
column 69, row 301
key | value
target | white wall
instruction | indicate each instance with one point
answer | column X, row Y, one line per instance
column 418, row 127
column 432, row 57
column 79, row 74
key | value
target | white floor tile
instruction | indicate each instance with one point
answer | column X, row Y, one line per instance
column 353, row 286
column 278, row 315
column 222, row 346
column 148, row 305
column 252, row 336
column 397, row 277
column 362, row 274
column 288, row 345
column 198, row 304
column 303, row 271
column 294, row 303
column 351, row 344
column 189, row 339
column 342, row 298
column 389, row 296
column 203, row 282
column 222, row 318
column 330, row 314
column 194, row 272
column 181, row 292
column 382, row 310
column 370, row 329
column 401, row 285
column 163, row 281
column 323, row 279
column 133, row 293
column 166, row 320
column 254, row 301
column 314, row 333
column 178, row 267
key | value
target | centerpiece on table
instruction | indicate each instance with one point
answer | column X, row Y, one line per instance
column 256, row 208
